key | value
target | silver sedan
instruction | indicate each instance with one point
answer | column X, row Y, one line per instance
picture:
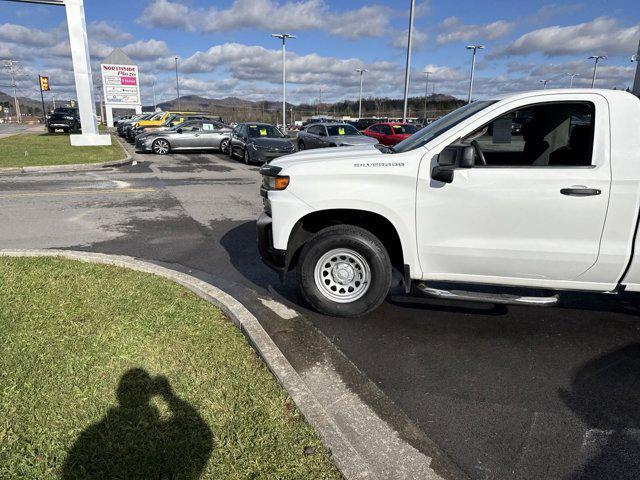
column 190, row 135
column 321, row 135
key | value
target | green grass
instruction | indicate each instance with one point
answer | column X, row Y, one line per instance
column 110, row 373
column 40, row 149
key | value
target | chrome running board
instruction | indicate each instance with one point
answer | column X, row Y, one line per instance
column 499, row 298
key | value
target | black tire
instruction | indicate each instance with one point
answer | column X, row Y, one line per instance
column 349, row 238
column 161, row 147
column 301, row 146
column 65, row 130
column 231, row 154
column 246, row 156
column 224, row 145
column 51, row 130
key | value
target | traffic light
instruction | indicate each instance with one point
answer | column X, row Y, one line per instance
column 44, row 84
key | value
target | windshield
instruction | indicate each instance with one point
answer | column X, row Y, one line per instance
column 65, row 111
column 338, row 130
column 263, row 131
column 404, row 129
column 440, row 126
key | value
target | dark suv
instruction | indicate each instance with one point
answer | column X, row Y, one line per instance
column 66, row 119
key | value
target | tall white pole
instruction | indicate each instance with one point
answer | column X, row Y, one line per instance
column 10, row 64
column 636, row 81
column 284, row 84
column 83, row 78
column 283, row 37
column 474, row 48
column 361, row 71
column 597, row 58
column 426, row 93
column 407, row 71
column 153, row 87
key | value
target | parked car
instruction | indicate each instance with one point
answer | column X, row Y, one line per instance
column 454, row 204
column 364, row 123
column 391, row 133
column 258, row 143
column 125, row 124
column 122, row 118
column 190, row 135
column 321, row 135
column 171, row 121
column 64, row 118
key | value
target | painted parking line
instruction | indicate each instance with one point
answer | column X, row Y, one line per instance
column 77, row 192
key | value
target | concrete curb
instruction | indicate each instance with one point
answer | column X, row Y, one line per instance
column 76, row 167
column 346, row 457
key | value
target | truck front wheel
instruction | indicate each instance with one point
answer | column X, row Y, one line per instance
column 344, row 271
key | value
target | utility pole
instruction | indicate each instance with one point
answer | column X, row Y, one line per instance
column 636, row 81
column 597, row 58
column 11, row 66
column 572, row 75
column 407, row 72
column 544, row 84
column 283, row 37
column 155, row 105
column 426, row 92
column 475, row 48
column 361, row 72
column 177, row 83
column 53, row 96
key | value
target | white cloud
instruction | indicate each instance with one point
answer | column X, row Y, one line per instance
column 146, row 50
column 268, row 15
column 453, row 30
column 600, row 36
column 104, row 31
column 399, row 39
column 27, row 36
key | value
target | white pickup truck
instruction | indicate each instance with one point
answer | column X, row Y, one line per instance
column 511, row 200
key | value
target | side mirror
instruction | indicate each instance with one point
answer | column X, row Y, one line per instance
column 450, row 159
column 179, row 130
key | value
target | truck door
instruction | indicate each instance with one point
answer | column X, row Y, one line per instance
column 531, row 209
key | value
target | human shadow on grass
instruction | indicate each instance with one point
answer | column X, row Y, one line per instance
column 133, row 441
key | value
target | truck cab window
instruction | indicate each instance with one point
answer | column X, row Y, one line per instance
column 558, row 134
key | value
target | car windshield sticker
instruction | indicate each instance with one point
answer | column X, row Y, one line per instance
column 263, row 132
column 207, row 126
column 341, row 131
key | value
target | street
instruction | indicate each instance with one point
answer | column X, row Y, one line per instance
column 504, row 391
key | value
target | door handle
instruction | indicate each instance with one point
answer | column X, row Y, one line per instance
column 580, row 191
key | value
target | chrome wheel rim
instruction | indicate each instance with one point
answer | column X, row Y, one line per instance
column 224, row 145
column 161, row 147
column 342, row 275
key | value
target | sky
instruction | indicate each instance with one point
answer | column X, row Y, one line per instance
column 225, row 48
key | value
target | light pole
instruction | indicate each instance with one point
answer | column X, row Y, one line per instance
column 597, row 58
column 153, row 87
column 10, row 65
column 475, row 48
column 544, row 84
column 426, row 92
column 361, row 72
column 636, row 80
column 177, row 83
column 283, row 37
column 407, row 71
column 572, row 75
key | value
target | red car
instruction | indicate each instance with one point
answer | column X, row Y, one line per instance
column 390, row 133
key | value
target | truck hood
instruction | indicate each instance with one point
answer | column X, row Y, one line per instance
column 328, row 154
column 353, row 140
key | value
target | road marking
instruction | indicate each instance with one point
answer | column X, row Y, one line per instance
column 280, row 309
column 77, row 192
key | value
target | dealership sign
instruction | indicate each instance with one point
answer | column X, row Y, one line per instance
column 121, row 84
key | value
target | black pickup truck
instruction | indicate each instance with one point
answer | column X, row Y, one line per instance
column 66, row 119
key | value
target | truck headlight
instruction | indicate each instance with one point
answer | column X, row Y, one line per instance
column 271, row 178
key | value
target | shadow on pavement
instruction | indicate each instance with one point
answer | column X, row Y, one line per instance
column 134, row 441
column 605, row 394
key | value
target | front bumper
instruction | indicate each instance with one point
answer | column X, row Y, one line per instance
column 272, row 257
column 265, row 156
column 142, row 146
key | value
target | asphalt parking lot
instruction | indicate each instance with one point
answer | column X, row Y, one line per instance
column 505, row 392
